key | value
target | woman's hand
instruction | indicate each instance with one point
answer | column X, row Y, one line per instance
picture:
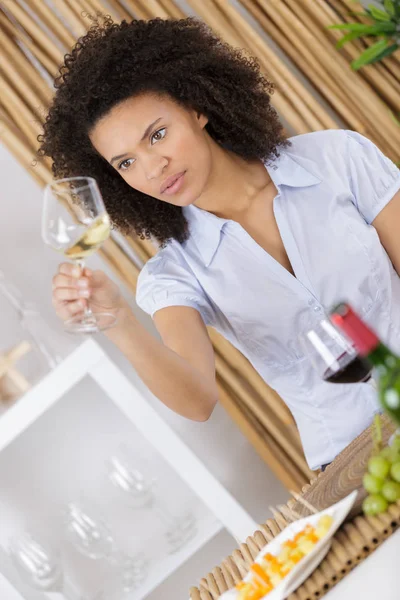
column 73, row 289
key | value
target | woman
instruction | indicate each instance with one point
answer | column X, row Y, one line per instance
column 259, row 235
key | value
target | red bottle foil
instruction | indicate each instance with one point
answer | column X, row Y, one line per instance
column 346, row 319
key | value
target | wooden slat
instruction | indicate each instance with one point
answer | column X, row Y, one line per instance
column 371, row 103
column 22, row 115
column 35, row 32
column 264, row 444
column 17, row 59
column 215, row 19
column 173, row 9
column 46, row 61
column 266, row 417
column 48, row 17
column 381, row 79
column 137, row 10
column 153, row 7
column 314, row 115
column 11, row 138
column 25, row 92
column 117, row 11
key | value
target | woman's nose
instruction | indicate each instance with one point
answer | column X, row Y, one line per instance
column 154, row 166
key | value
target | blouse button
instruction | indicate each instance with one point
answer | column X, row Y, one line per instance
column 317, row 308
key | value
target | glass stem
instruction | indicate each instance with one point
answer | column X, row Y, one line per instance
column 163, row 514
column 56, row 596
column 88, row 311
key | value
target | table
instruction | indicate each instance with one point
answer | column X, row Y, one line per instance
column 352, row 544
column 377, row 577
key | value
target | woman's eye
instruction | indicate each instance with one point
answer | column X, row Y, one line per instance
column 125, row 162
column 159, row 134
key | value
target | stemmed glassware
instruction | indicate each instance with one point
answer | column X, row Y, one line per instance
column 141, row 491
column 75, row 222
column 41, row 567
column 33, row 324
column 333, row 355
column 93, row 539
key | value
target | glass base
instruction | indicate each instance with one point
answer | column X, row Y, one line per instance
column 91, row 323
column 183, row 531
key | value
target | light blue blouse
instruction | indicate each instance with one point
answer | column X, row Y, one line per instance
column 331, row 185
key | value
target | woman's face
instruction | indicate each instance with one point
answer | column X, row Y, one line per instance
column 149, row 139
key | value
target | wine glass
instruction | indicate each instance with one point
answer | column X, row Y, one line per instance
column 334, row 356
column 92, row 538
column 75, row 222
column 52, row 347
column 141, row 491
column 132, row 481
column 41, row 567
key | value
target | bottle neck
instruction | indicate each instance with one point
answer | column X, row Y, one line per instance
column 366, row 342
column 350, row 323
column 379, row 355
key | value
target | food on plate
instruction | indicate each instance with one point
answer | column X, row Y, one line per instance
column 269, row 572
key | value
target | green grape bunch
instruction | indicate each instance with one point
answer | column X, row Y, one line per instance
column 382, row 480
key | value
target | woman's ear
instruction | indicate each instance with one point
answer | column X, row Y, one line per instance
column 202, row 119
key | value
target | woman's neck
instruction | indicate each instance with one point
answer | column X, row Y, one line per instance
column 234, row 184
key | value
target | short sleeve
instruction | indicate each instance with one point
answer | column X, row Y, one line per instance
column 375, row 179
column 168, row 281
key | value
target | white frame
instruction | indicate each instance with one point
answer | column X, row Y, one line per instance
column 90, row 359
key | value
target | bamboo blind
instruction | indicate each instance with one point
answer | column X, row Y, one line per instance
column 35, row 35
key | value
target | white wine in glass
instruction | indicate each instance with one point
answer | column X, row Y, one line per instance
column 75, row 222
column 96, row 233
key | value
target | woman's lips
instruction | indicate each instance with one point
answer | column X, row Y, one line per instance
column 176, row 186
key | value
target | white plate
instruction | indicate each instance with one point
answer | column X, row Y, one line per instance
column 306, row 565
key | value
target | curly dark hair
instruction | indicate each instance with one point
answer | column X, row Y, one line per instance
column 114, row 62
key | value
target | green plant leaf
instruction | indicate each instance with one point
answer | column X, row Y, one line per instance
column 386, row 52
column 353, row 35
column 378, row 14
column 372, row 30
column 350, row 26
column 369, row 54
column 381, row 27
column 389, row 7
column 394, row 118
column 357, row 14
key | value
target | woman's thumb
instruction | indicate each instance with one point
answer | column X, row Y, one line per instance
column 96, row 278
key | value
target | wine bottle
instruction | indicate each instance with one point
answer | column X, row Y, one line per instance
column 386, row 363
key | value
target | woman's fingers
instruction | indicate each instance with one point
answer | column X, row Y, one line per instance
column 66, row 281
column 65, row 310
column 70, row 293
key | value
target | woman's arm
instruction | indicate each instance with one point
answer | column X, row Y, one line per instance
column 387, row 224
column 180, row 369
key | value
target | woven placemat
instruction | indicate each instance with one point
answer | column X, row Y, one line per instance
column 352, row 543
